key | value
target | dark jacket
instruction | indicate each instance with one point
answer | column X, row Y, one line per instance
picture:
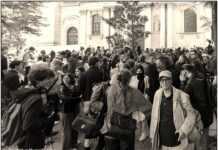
column 175, row 77
column 11, row 80
column 69, row 98
column 88, row 80
column 200, row 99
column 34, row 120
column 152, row 73
column 4, row 65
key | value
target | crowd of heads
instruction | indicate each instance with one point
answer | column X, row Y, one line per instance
column 74, row 62
column 161, row 67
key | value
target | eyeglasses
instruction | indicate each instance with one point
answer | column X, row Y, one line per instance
column 166, row 80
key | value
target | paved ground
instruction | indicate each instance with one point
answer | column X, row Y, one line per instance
column 146, row 145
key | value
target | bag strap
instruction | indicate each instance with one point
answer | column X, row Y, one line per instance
column 52, row 85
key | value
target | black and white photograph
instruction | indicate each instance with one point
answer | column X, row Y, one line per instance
column 108, row 75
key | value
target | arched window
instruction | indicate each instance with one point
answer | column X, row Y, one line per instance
column 72, row 36
column 190, row 21
column 96, row 24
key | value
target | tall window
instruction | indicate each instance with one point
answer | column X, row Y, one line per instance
column 96, row 24
column 190, row 21
column 72, row 36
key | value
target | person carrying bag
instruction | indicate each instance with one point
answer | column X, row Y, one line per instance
column 119, row 125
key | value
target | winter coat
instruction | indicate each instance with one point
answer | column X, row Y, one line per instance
column 116, row 102
column 153, row 80
column 33, row 119
column 69, row 98
column 200, row 99
column 4, row 65
column 11, row 80
column 181, row 123
column 87, row 80
column 134, row 82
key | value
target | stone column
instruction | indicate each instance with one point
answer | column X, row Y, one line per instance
column 57, row 24
column 170, row 27
column 162, row 25
column 88, row 27
column 148, row 25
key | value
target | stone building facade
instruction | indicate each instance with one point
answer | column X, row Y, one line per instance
column 174, row 24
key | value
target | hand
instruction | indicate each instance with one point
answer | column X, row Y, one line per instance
column 86, row 107
column 181, row 135
column 142, row 137
column 182, row 76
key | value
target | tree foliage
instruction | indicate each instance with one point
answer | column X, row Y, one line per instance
column 129, row 24
column 19, row 18
column 213, row 23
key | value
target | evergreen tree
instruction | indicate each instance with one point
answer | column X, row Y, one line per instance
column 19, row 18
column 128, row 23
column 212, row 24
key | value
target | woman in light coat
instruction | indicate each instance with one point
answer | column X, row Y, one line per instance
column 183, row 125
column 141, row 82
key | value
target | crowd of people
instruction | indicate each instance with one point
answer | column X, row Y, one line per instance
column 162, row 93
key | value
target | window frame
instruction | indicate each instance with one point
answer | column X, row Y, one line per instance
column 187, row 28
column 71, row 33
column 96, row 24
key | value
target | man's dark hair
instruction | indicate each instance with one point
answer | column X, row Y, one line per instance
column 39, row 58
column 165, row 60
column 40, row 75
column 81, row 68
column 4, row 48
column 32, row 48
column 139, row 66
column 93, row 60
column 15, row 63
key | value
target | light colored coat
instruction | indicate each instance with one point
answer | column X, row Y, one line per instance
column 134, row 82
column 181, row 123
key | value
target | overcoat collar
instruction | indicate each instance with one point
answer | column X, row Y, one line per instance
column 175, row 99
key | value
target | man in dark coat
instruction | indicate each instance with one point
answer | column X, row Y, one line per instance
column 91, row 77
column 13, row 79
column 87, row 80
column 4, row 62
column 197, row 88
column 69, row 109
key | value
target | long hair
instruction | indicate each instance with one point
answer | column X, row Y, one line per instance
column 124, row 78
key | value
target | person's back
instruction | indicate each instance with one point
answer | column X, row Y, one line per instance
column 34, row 100
column 92, row 76
column 11, row 80
column 4, row 65
column 122, row 102
column 33, row 121
column 197, row 89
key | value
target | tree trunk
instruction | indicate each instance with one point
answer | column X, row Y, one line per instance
column 214, row 23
